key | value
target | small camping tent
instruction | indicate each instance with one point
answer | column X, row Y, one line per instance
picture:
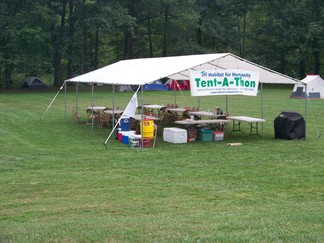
column 310, row 87
column 178, row 84
column 33, row 83
column 124, row 88
column 155, row 85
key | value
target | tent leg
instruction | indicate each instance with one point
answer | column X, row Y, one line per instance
column 92, row 104
column 262, row 115
column 65, row 101
column 113, row 105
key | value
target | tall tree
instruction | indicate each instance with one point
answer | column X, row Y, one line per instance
column 58, row 33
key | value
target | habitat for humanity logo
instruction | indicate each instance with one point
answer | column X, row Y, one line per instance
column 203, row 74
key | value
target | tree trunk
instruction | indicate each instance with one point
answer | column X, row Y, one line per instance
column 199, row 32
column 282, row 62
column 7, row 76
column 96, row 61
column 302, row 69
column 316, row 47
column 149, row 31
column 70, row 45
column 57, row 69
column 166, row 19
column 84, row 53
column 58, row 43
column 128, row 44
column 244, row 29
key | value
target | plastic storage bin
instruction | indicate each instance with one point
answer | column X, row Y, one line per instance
column 218, row 135
column 205, row 135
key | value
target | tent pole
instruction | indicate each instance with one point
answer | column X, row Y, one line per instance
column 262, row 101
column 305, row 107
column 226, row 105
column 92, row 120
column 64, row 101
column 175, row 96
column 51, row 102
column 113, row 105
column 76, row 99
column 262, row 115
column 142, row 118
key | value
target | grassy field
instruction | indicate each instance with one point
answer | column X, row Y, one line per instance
column 60, row 184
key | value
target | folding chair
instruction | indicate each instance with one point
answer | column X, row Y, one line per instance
column 75, row 116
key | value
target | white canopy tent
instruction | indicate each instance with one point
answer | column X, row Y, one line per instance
column 145, row 70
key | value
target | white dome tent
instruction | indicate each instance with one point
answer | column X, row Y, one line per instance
column 312, row 87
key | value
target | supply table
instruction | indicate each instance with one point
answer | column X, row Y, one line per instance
column 93, row 113
column 199, row 122
column 109, row 114
column 138, row 117
column 189, row 122
column 254, row 128
column 173, row 114
column 149, row 109
column 208, row 114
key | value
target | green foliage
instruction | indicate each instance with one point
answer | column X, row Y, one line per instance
column 59, row 184
column 65, row 38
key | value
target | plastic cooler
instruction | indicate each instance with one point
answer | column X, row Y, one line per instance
column 125, row 124
column 148, row 128
column 125, row 135
column 174, row 135
column 134, row 140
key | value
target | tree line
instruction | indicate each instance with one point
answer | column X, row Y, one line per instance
column 60, row 39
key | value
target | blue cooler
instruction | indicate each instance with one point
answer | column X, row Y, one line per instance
column 125, row 136
column 125, row 124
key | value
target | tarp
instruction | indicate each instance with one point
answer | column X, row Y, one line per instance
column 145, row 70
column 312, row 86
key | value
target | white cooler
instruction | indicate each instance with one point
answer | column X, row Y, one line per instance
column 174, row 135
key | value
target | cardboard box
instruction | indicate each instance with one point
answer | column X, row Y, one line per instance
column 192, row 134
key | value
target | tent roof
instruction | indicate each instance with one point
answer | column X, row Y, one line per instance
column 310, row 78
column 145, row 70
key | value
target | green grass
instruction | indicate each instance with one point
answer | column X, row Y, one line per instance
column 59, row 184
